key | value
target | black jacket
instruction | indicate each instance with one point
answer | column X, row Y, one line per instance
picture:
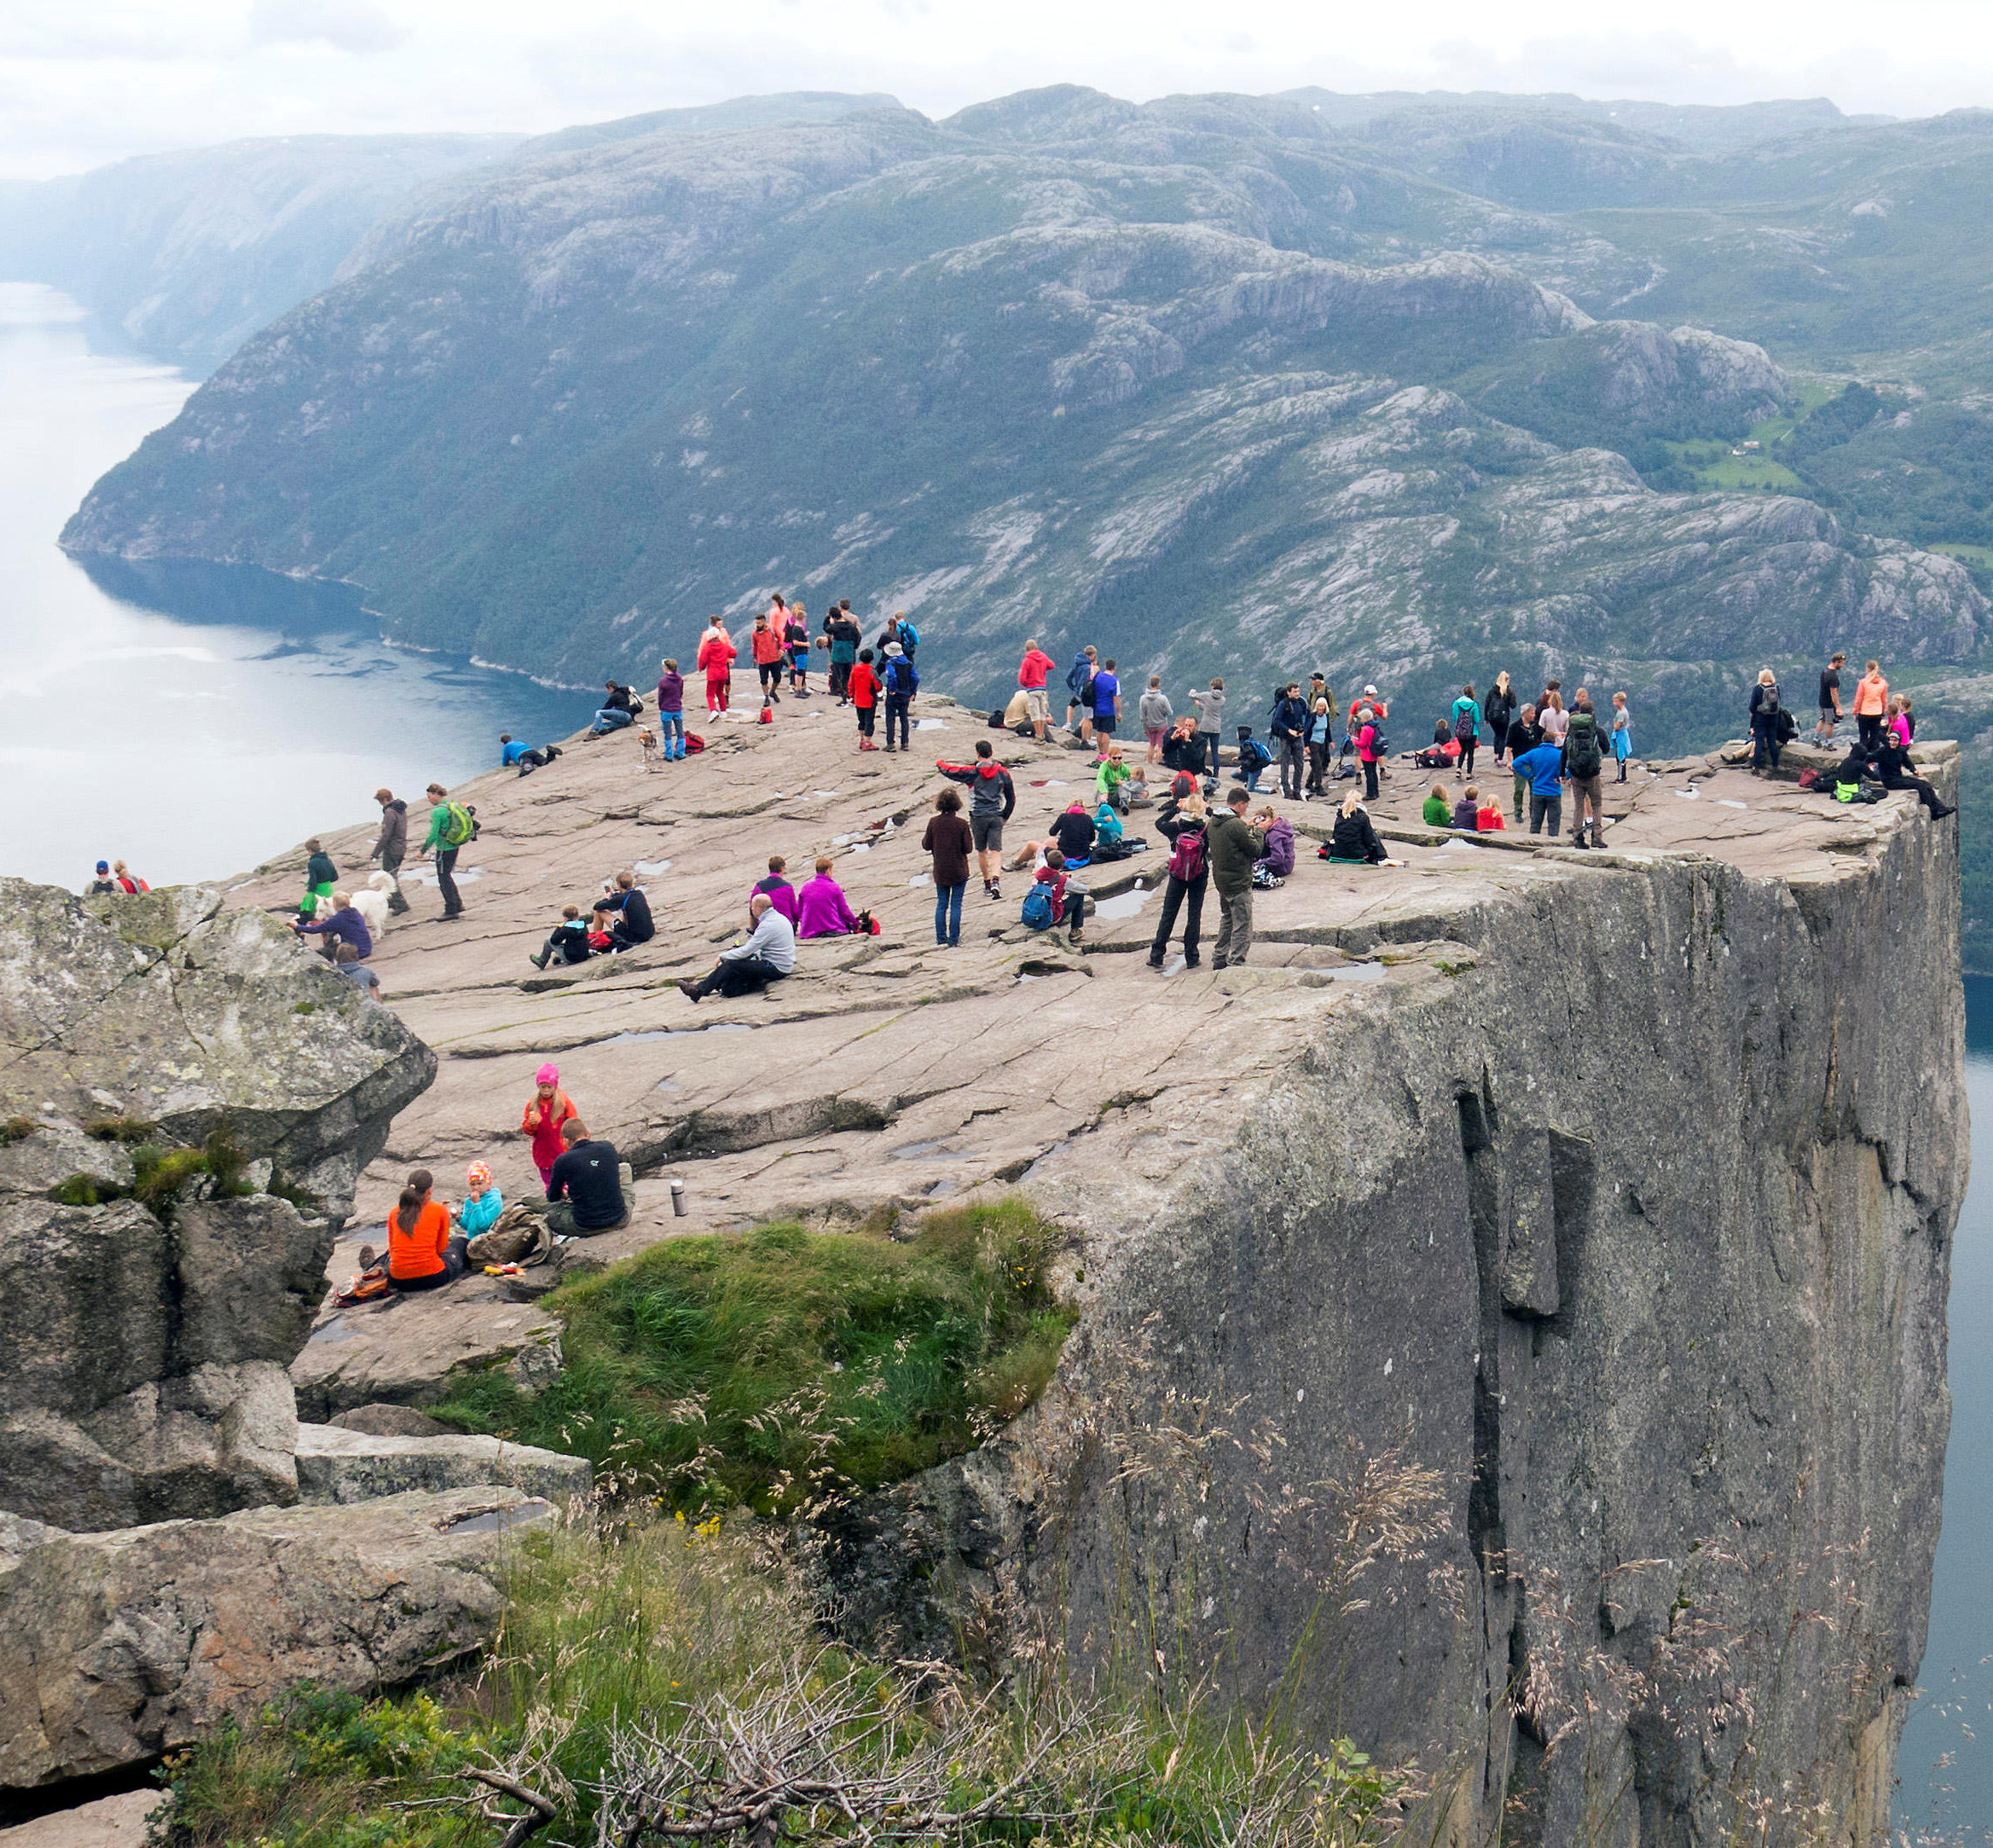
column 1354, row 838
column 633, row 924
column 1074, row 834
column 620, row 699
column 1186, row 754
column 1498, row 708
column 1290, row 718
column 585, row 1174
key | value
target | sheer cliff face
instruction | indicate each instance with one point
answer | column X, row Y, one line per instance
column 1636, row 1234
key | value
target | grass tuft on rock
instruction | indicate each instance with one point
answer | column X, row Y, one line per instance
column 772, row 1368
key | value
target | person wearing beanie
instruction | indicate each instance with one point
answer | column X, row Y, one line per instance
column 478, row 1210
column 549, row 1108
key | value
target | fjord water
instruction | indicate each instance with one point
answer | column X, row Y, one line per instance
column 191, row 720
column 1945, row 1768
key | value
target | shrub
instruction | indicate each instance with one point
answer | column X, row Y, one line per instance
column 770, row 1367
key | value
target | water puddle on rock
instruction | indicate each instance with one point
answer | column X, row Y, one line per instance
column 497, row 1520
column 914, row 1151
column 1126, row 904
column 649, row 869
column 682, row 1033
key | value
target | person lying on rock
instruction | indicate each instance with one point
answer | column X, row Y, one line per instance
column 567, row 943
column 341, row 924
column 584, row 1193
column 768, row 954
column 822, row 908
column 422, row 1253
column 478, row 1210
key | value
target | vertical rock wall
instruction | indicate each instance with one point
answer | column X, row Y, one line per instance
column 1636, row 1236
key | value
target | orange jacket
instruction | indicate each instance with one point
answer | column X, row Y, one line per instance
column 1871, row 696
column 418, row 1253
column 766, row 645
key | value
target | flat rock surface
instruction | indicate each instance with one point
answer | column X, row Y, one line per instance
column 118, row 1822
column 339, row 1465
column 887, row 1071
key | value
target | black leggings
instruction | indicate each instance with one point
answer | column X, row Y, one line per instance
column 454, row 1260
column 1926, row 794
column 1467, row 751
column 1370, row 779
column 1174, row 896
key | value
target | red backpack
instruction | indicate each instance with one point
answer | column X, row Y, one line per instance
column 1186, row 855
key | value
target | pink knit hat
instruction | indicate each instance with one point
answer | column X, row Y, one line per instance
column 548, row 1074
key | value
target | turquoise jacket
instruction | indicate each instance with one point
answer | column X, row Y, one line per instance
column 481, row 1214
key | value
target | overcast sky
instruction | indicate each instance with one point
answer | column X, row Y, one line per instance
column 84, row 82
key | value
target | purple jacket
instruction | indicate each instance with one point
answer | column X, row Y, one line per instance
column 784, row 896
column 671, row 692
column 1278, row 858
column 822, row 910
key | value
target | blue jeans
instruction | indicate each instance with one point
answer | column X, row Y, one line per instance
column 609, row 719
column 947, row 913
column 670, row 724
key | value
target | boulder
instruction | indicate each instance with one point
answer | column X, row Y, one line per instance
column 154, row 1305
column 343, row 1465
column 119, row 1821
column 117, row 1648
column 390, row 1420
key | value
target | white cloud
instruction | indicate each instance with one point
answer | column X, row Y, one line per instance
column 356, row 26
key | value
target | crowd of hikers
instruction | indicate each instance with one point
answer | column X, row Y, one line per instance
column 1554, row 752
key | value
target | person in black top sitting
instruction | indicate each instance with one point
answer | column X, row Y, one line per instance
column 584, row 1191
column 567, row 943
column 1073, row 830
column 1354, row 839
column 620, row 707
column 633, row 923
column 1892, row 771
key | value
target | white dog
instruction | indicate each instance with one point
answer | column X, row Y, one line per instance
column 371, row 903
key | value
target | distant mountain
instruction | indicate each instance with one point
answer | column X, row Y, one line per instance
column 1167, row 378
column 186, row 255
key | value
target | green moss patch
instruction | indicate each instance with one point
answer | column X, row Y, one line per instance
column 773, row 1367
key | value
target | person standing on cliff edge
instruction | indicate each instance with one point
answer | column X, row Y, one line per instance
column 391, row 847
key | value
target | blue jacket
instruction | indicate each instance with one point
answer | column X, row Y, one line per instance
column 508, row 755
column 1544, row 767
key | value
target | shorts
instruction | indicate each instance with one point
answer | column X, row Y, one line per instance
column 1156, row 734
column 986, row 831
column 1103, row 725
column 1035, row 708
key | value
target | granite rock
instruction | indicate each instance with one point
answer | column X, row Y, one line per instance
column 340, row 1464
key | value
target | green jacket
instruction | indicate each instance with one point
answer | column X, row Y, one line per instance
column 1232, row 847
column 439, row 817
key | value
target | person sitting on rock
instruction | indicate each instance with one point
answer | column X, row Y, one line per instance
column 768, row 954
column 620, row 708
column 346, row 961
column 422, row 1252
column 1075, row 831
column 584, row 1192
column 631, row 923
column 478, row 1210
column 822, row 908
column 1892, row 769
column 1353, row 842
column 549, row 1111
column 781, row 894
column 567, row 943
column 342, row 924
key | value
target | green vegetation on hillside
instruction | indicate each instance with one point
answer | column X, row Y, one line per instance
column 773, row 1367
column 698, row 1638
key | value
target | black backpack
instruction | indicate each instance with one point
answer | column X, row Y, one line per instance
column 1583, row 756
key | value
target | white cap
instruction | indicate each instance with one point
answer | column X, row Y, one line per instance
column 1370, row 692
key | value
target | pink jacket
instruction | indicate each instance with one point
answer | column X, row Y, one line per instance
column 823, row 912
column 716, row 657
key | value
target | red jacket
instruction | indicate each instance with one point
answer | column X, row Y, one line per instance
column 1032, row 669
column 864, row 685
column 717, row 657
column 766, row 645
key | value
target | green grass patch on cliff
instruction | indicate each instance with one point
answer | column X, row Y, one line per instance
column 773, row 1367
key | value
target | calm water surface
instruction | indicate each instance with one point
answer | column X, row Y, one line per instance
column 1946, row 1766
column 191, row 721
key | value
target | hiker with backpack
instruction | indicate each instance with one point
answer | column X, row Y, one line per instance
column 1369, row 747
column 1182, row 821
column 1466, row 731
column 901, row 682
column 949, row 842
column 452, row 827
column 1288, row 724
column 1498, row 708
column 1050, row 903
column 899, row 629
column 1585, row 758
column 1233, row 845
column 1253, row 757
column 1768, row 720
column 1080, row 694
column 619, row 709
column 992, row 797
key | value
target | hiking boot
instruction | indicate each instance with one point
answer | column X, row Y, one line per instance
column 1155, row 963
column 1193, row 962
column 1217, row 962
column 537, row 958
column 368, row 1257
column 451, row 917
column 688, row 988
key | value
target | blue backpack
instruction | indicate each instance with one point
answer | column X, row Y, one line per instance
column 1037, row 911
column 909, row 635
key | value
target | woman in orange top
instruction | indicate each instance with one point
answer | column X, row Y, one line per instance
column 1871, row 702
column 421, row 1254
column 549, row 1108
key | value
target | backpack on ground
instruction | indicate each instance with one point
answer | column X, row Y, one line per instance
column 1186, row 855
column 1584, row 757
column 460, row 825
column 1038, row 912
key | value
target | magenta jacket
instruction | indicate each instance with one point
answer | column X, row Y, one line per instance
column 823, row 912
column 784, row 896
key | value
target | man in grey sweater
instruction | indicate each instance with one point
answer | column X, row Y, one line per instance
column 392, row 847
column 766, row 954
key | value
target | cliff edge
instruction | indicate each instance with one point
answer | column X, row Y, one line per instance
column 1514, row 1302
